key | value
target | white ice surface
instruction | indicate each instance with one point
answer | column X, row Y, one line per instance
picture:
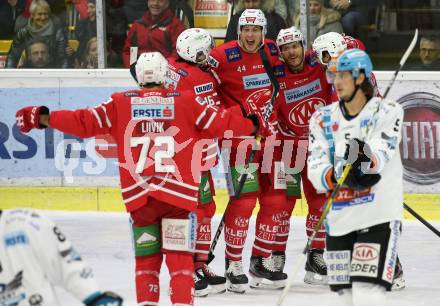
column 103, row 239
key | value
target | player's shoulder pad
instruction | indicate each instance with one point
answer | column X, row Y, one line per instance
column 388, row 105
column 233, row 53
column 273, row 49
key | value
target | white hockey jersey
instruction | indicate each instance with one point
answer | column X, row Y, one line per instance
column 329, row 134
column 34, row 256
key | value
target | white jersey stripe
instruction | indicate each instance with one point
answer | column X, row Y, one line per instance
column 97, row 117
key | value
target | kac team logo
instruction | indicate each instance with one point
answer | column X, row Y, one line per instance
column 300, row 115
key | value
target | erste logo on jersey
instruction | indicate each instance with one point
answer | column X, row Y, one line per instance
column 233, row 54
column 200, row 89
column 299, row 93
column 303, row 111
column 153, row 107
column 256, row 81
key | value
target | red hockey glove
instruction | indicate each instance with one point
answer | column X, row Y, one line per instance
column 28, row 118
column 256, row 116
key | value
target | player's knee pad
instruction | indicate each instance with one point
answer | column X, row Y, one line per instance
column 242, row 206
column 366, row 294
column 179, row 234
column 273, row 204
column 345, row 297
column 147, row 240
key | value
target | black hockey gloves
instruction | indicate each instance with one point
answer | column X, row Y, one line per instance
column 357, row 154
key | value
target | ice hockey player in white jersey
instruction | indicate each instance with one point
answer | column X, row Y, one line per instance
column 35, row 256
column 364, row 220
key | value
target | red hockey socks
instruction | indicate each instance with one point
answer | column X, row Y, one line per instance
column 236, row 225
column 147, row 279
column 282, row 235
column 268, row 218
column 181, row 267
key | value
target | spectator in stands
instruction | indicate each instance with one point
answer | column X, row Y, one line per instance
column 429, row 54
column 274, row 21
column 90, row 57
column 354, row 13
column 86, row 29
column 156, row 31
column 116, row 29
column 9, row 11
column 40, row 25
column 37, row 55
column 322, row 19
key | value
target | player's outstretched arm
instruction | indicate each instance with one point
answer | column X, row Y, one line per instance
column 83, row 123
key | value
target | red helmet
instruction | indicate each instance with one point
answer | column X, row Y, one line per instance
column 353, row 43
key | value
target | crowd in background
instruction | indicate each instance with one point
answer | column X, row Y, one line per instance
column 62, row 33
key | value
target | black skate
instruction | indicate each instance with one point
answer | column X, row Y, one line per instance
column 398, row 281
column 265, row 274
column 236, row 280
column 217, row 283
column 316, row 269
column 200, row 284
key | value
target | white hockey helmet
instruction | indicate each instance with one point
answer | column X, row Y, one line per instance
column 253, row 17
column 289, row 35
column 151, row 67
column 194, row 45
column 332, row 42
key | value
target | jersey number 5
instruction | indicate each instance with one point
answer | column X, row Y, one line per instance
column 159, row 155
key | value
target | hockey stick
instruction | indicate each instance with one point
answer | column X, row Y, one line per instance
column 267, row 113
column 301, row 260
column 421, row 219
column 402, row 61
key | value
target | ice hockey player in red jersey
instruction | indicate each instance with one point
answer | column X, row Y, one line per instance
column 330, row 45
column 244, row 81
column 304, row 89
column 159, row 134
column 191, row 71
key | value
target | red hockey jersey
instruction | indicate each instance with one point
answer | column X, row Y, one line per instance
column 186, row 76
column 300, row 95
column 160, row 138
column 243, row 77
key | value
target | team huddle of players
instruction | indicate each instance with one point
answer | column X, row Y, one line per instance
column 167, row 135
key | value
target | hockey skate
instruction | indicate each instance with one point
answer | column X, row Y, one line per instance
column 217, row 283
column 236, row 280
column 265, row 275
column 200, row 285
column 398, row 281
column 316, row 269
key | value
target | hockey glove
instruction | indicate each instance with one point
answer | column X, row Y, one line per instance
column 107, row 298
column 254, row 114
column 28, row 118
column 359, row 152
